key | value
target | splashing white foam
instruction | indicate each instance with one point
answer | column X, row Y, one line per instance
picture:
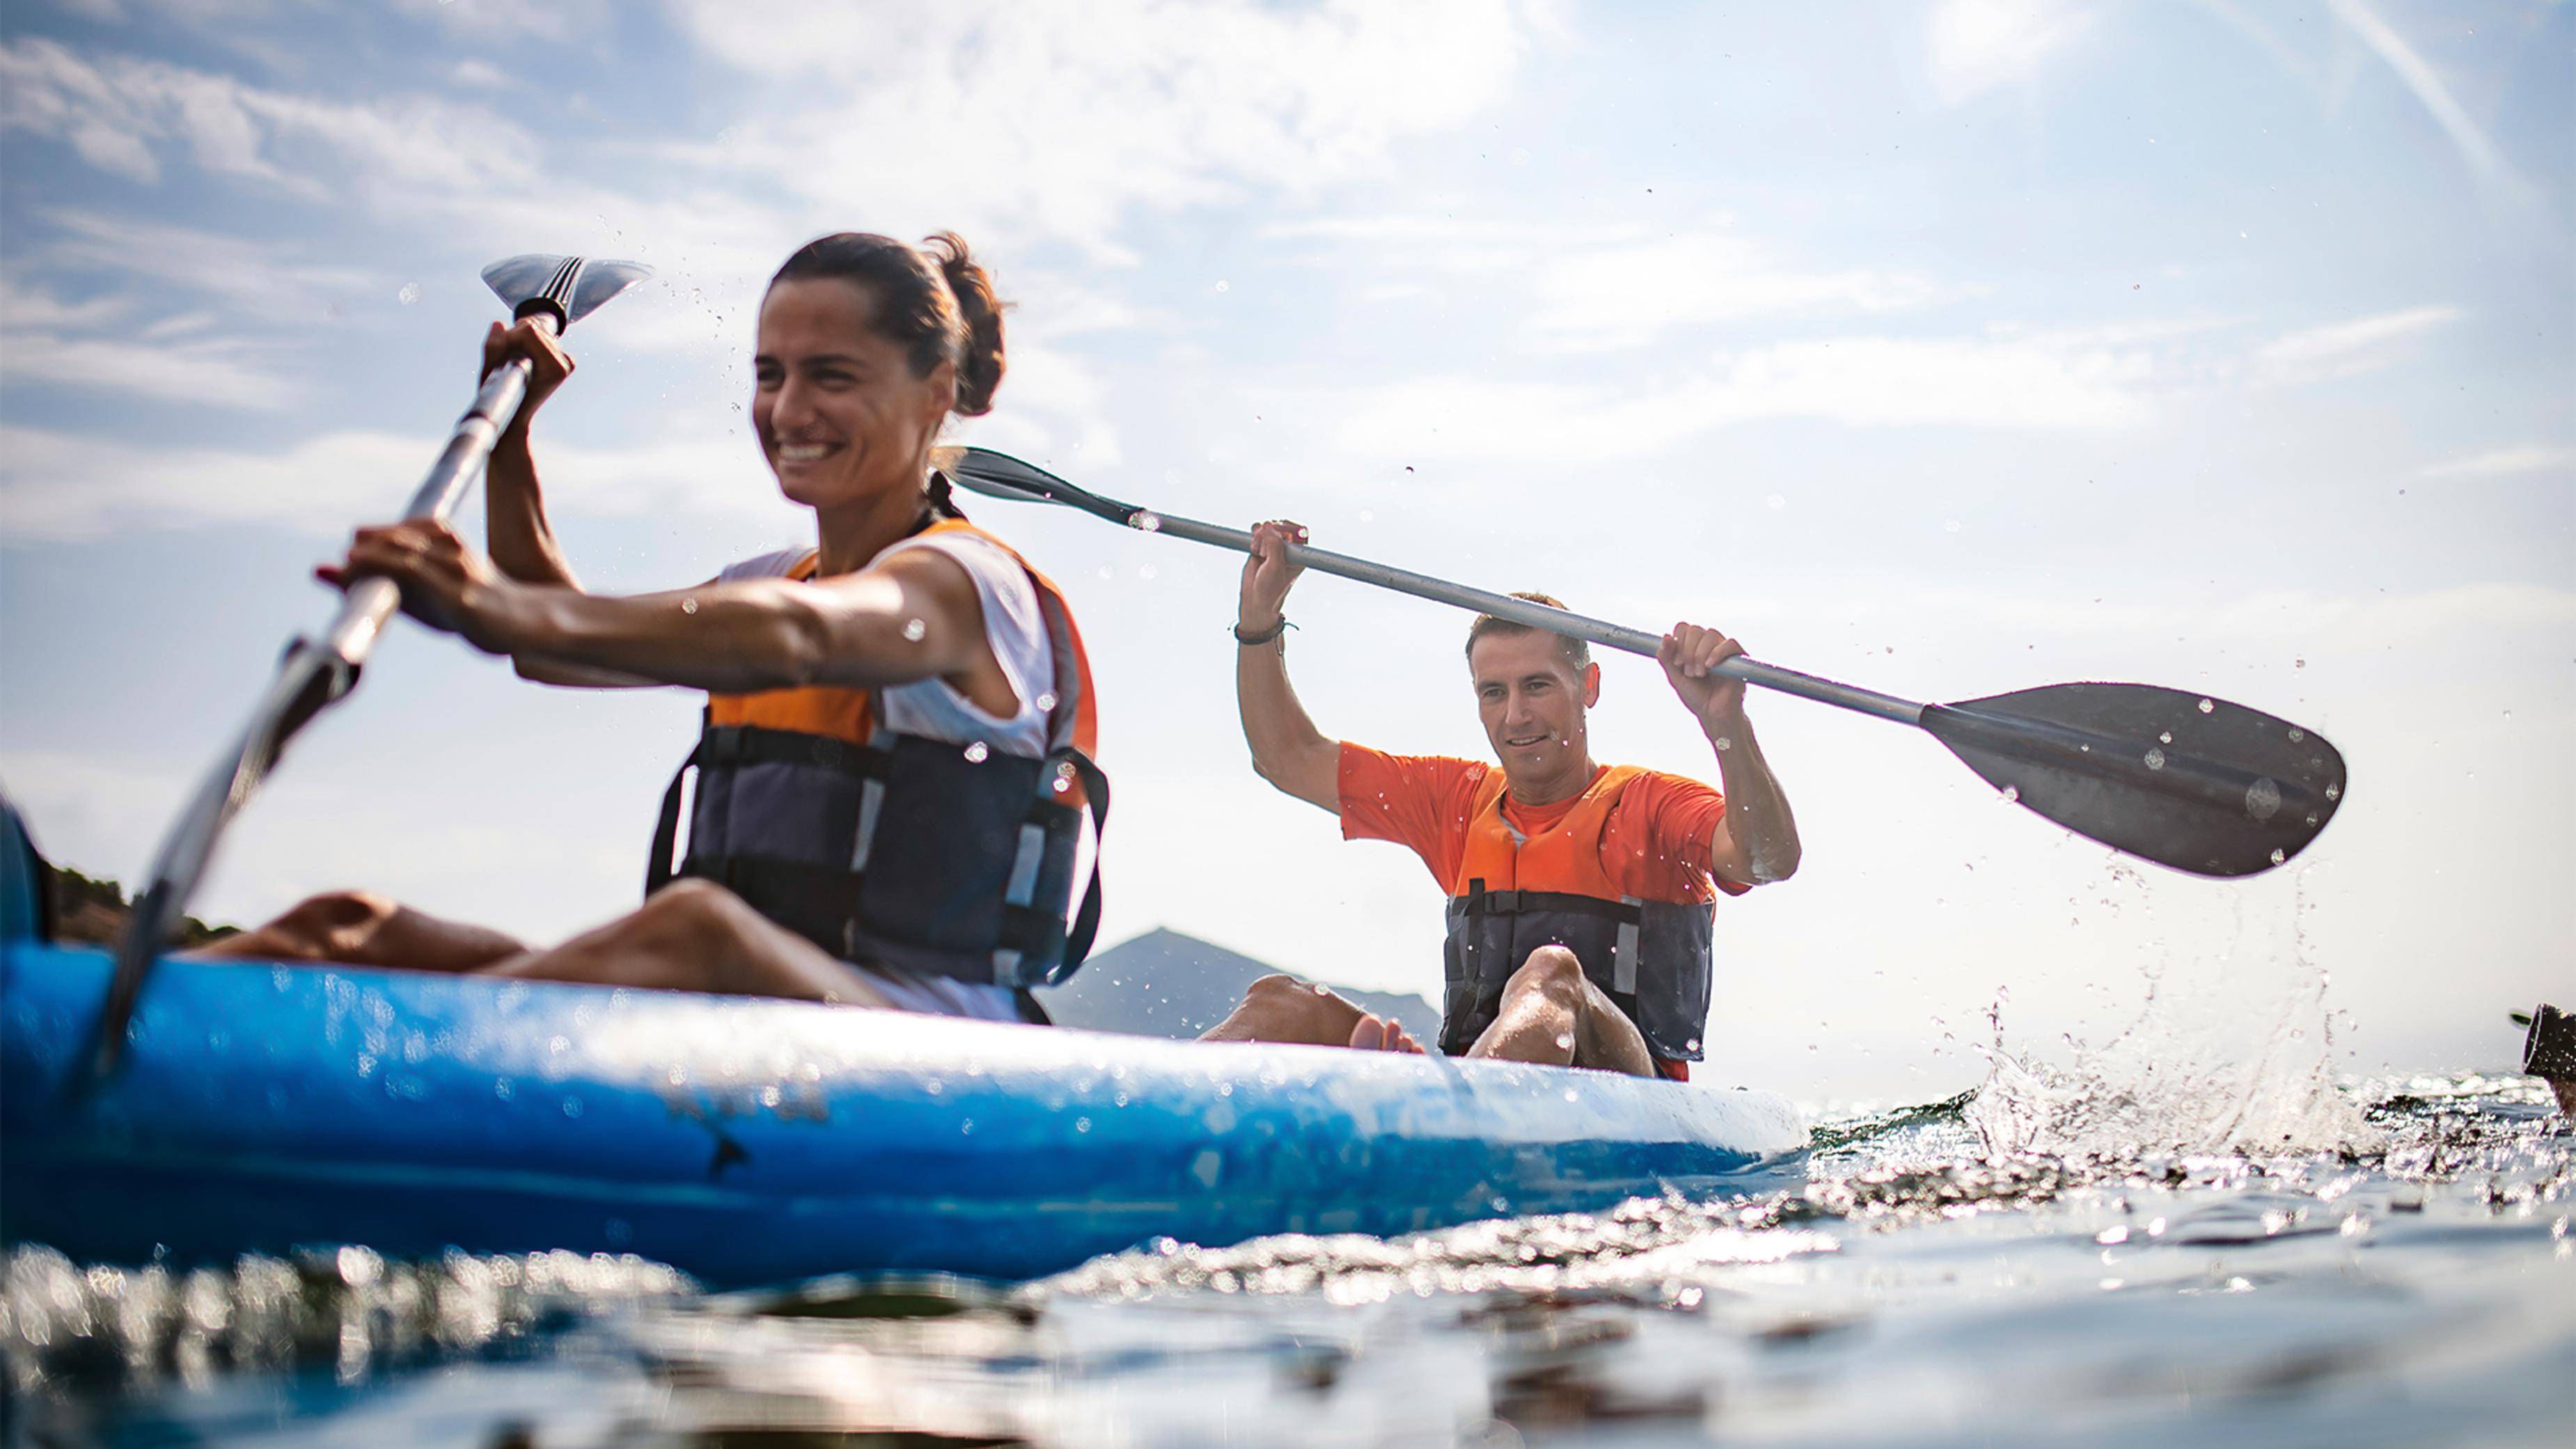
column 2231, row 1051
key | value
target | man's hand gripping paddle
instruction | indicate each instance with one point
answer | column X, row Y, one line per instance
column 318, row 672
column 2178, row 778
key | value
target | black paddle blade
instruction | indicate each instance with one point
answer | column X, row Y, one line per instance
column 2195, row 783
column 999, row 475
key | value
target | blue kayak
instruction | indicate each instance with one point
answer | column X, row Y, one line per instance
column 269, row 1108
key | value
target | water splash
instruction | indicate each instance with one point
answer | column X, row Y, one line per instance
column 2230, row 1051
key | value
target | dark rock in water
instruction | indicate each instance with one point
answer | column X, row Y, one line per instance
column 1166, row 984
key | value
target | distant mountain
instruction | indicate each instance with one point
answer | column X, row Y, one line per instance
column 1166, row 984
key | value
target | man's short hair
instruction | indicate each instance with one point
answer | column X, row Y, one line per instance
column 1577, row 652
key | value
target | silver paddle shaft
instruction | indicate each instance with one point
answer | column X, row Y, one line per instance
column 315, row 673
column 370, row 602
column 1538, row 616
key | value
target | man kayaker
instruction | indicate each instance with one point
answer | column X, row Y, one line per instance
column 907, row 679
column 1580, row 894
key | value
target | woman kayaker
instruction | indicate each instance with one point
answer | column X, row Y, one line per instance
column 897, row 739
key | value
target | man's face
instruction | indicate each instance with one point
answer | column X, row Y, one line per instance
column 1532, row 700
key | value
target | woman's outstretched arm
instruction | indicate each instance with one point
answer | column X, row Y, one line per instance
column 915, row 616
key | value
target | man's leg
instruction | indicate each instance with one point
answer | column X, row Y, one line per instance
column 1554, row 1015
column 359, row 928
column 1282, row 1008
column 692, row 935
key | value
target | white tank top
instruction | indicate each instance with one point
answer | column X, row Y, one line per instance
column 1014, row 628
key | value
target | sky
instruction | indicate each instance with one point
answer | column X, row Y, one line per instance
column 1944, row 348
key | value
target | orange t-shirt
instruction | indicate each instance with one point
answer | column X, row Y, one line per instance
column 1654, row 846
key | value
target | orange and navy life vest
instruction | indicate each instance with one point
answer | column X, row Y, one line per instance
column 896, row 850
column 1512, row 896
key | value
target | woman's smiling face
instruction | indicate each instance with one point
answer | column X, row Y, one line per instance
column 840, row 415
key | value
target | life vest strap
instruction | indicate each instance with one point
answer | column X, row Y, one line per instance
column 1479, row 901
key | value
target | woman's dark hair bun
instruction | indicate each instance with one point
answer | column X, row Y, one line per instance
column 980, row 368
column 938, row 303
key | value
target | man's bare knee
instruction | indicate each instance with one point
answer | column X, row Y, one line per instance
column 1550, row 971
column 698, row 909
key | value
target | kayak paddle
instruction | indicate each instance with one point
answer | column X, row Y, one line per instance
column 317, row 673
column 2178, row 778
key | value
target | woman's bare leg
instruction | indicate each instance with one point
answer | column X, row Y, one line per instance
column 359, row 928
column 692, row 935
column 1282, row 1008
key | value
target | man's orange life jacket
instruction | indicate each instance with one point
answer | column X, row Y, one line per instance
column 1512, row 896
column 892, row 849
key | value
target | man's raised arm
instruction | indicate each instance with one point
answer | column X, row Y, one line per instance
column 1287, row 749
column 1757, row 842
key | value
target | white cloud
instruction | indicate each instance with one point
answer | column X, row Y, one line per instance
column 2503, row 462
column 1625, row 295
column 2342, row 349
column 1977, row 45
column 1594, row 287
column 61, row 486
column 480, row 75
column 214, row 371
column 28, row 308
column 1062, row 120
column 2049, row 383
column 258, row 277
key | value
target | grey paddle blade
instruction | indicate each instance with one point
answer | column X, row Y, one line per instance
column 570, row 287
column 2182, row 779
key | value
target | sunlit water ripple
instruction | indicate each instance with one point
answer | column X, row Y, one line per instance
column 1927, row 1286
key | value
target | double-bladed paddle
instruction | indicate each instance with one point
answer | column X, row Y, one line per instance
column 2178, row 778
column 318, row 672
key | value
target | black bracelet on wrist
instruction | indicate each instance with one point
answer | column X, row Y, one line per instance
column 1266, row 635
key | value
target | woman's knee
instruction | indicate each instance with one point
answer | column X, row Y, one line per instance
column 1300, row 1008
column 692, row 907
column 333, row 924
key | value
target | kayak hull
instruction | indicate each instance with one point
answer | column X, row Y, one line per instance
column 273, row 1108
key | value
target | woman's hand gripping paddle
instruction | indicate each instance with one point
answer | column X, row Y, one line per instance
column 2181, row 779
column 318, row 672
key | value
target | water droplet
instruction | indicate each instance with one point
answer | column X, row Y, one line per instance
column 1950, row 526
column 2279, row 855
column 1046, row 700
column 978, row 752
column 2011, row 793
column 688, row 606
column 1062, row 785
column 1107, row 572
column 2155, row 759
column 572, row 1106
column 1565, row 1041
column 914, row 630
column 1777, row 501
column 2334, row 792
column 409, row 294
column 1367, row 516
column 1081, row 1124
column 1692, row 1045
column 1723, row 743
column 2263, row 799
column 2165, row 737
column 2206, row 706
column 1220, row 286
column 1150, row 521
column 1569, row 1094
